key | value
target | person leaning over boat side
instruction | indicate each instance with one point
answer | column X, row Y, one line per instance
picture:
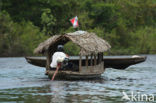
column 58, row 56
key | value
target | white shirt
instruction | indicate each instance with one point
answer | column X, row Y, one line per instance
column 55, row 58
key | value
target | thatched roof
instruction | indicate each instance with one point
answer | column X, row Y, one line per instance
column 88, row 42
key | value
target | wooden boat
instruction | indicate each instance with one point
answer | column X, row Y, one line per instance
column 37, row 61
column 109, row 62
column 90, row 46
column 90, row 63
column 124, row 62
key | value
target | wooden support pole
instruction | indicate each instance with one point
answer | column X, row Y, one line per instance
column 48, row 61
column 98, row 58
column 94, row 59
column 87, row 61
column 80, row 63
column 101, row 55
column 91, row 60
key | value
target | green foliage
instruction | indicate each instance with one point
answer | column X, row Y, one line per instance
column 128, row 25
column 104, row 15
column 18, row 38
column 145, row 40
column 48, row 21
column 29, row 36
column 71, row 48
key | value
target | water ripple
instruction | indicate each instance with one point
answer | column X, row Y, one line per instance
column 22, row 82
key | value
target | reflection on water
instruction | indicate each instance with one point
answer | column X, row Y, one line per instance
column 22, row 82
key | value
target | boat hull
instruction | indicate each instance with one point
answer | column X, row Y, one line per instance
column 113, row 62
column 70, row 75
column 123, row 63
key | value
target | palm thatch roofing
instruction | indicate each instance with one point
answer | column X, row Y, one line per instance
column 89, row 43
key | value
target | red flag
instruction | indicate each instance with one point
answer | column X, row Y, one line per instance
column 74, row 21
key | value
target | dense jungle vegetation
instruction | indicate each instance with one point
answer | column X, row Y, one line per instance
column 128, row 25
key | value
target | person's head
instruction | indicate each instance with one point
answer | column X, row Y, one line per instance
column 60, row 48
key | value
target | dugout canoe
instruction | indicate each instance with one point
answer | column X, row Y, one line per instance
column 114, row 62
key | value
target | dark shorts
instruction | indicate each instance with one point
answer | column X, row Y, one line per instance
column 70, row 66
column 52, row 68
column 55, row 68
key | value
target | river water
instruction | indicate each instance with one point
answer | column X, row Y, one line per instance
column 21, row 82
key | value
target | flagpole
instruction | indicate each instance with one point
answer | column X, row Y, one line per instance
column 74, row 22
